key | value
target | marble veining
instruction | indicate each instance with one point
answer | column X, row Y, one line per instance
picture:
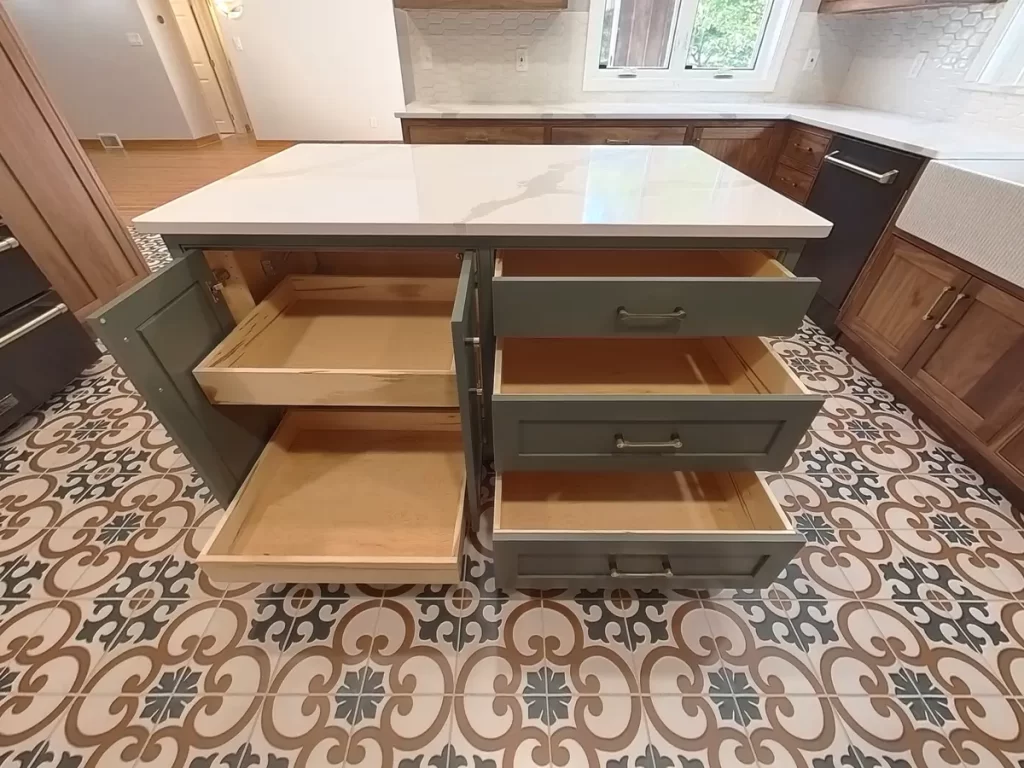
column 929, row 138
column 504, row 191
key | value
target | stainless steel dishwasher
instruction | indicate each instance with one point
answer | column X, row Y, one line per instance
column 858, row 189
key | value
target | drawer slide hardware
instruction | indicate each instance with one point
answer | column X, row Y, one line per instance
column 665, row 573
column 674, row 443
column 626, row 316
column 931, row 310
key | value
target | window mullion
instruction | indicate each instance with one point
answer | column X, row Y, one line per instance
column 685, row 20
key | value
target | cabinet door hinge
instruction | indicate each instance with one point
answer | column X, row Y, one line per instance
column 216, row 286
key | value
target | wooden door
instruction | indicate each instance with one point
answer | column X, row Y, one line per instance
column 203, row 66
column 158, row 332
column 900, row 297
column 750, row 149
column 972, row 363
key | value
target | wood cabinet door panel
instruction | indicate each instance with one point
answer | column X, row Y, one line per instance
column 619, row 134
column 750, row 149
column 974, row 364
column 900, row 299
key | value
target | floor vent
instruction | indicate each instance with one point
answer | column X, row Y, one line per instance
column 110, row 140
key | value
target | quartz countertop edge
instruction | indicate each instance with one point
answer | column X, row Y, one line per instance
column 928, row 138
column 495, row 191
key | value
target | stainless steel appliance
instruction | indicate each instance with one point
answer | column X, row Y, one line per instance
column 858, row 189
column 42, row 345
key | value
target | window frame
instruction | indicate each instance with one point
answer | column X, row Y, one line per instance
column 985, row 74
column 778, row 32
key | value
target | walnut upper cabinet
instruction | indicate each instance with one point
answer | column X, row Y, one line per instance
column 901, row 297
column 751, row 148
column 972, row 363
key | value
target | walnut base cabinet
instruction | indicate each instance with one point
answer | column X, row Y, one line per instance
column 952, row 340
column 310, row 496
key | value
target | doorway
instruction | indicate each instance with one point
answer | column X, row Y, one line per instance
column 202, row 38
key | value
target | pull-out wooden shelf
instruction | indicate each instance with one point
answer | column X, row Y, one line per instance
column 592, row 404
column 615, row 293
column 340, row 340
column 348, row 496
column 711, row 529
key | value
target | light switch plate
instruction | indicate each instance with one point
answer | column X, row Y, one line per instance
column 522, row 62
column 811, row 61
column 918, row 64
column 134, row 38
column 426, row 58
column 238, row 43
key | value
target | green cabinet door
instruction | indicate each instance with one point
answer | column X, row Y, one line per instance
column 158, row 331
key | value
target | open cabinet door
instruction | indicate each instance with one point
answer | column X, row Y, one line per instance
column 466, row 346
column 158, row 331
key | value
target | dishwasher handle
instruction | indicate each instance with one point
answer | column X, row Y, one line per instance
column 881, row 178
column 26, row 328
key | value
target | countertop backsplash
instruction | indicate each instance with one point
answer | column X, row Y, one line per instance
column 469, row 57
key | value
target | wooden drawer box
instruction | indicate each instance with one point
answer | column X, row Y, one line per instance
column 457, row 132
column 619, row 134
column 805, row 149
column 340, row 340
column 794, row 184
column 646, row 293
column 348, row 496
column 667, row 529
column 651, row 404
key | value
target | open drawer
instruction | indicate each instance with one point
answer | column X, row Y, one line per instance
column 340, row 340
column 668, row 529
column 348, row 496
column 653, row 404
column 608, row 293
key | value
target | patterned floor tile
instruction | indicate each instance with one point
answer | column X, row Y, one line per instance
column 197, row 727
column 503, row 653
column 400, row 729
column 687, row 731
column 681, row 657
column 885, row 731
column 587, row 649
column 305, row 731
column 499, row 731
column 594, row 730
column 802, row 731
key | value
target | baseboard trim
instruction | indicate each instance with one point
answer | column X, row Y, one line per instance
column 202, row 141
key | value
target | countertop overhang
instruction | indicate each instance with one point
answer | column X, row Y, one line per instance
column 487, row 191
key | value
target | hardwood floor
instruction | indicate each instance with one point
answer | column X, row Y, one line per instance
column 139, row 180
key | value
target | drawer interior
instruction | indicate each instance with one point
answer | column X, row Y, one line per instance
column 342, row 322
column 701, row 366
column 634, row 501
column 347, row 495
column 626, row 263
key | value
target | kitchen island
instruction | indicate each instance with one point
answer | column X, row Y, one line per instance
column 347, row 330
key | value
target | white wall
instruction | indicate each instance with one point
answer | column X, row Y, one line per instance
column 177, row 61
column 98, row 81
column 318, row 70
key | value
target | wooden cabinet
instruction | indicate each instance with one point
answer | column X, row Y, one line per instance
column 900, row 298
column 618, row 134
column 950, row 338
column 972, row 362
column 751, row 148
column 460, row 132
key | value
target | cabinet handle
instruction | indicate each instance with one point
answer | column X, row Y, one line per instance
column 7, row 244
column 945, row 315
column 11, row 336
column 665, row 573
column 928, row 315
column 616, row 141
column 621, row 444
column 882, row 178
column 808, row 150
column 471, row 140
column 624, row 314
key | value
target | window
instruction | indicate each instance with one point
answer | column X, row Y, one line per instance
column 999, row 65
column 712, row 45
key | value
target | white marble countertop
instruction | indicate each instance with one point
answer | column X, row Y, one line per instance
column 921, row 137
column 489, row 190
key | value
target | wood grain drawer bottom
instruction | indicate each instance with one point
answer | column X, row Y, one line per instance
column 348, row 496
column 673, row 529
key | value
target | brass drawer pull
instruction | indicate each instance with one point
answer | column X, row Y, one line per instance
column 616, row 142
column 928, row 315
column 945, row 315
column 674, row 443
column 624, row 314
column 665, row 573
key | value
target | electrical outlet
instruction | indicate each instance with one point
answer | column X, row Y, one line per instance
column 522, row 63
column 373, row 122
column 918, row 64
column 238, row 43
column 812, row 59
column 426, row 58
column 134, row 38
